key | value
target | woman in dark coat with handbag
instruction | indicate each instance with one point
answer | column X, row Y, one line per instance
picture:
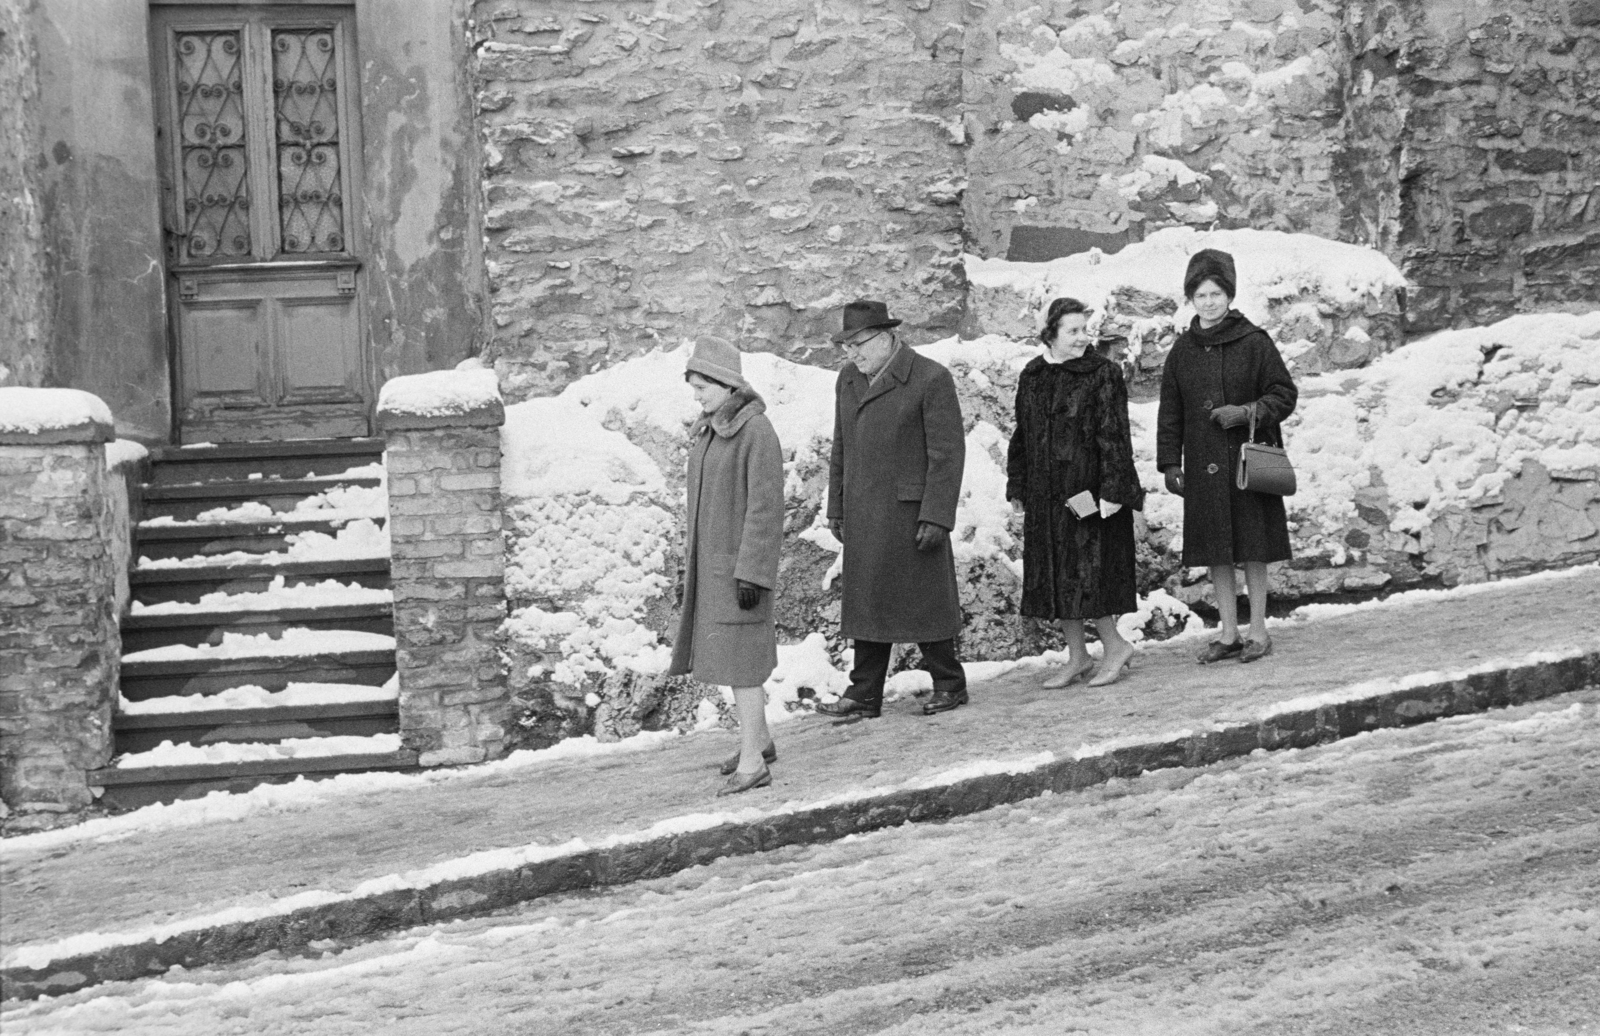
column 733, row 537
column 1072, row 438
column 1220, row 372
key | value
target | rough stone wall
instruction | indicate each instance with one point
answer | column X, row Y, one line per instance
column 447, row 570
column 24, row 288
column 1091, row 122
column 59, row 641
column 1474, row 152
column 658, row 169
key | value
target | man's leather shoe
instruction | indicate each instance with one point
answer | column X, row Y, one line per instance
column 850, row 708
column 944, row 701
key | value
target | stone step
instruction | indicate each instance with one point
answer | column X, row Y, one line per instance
column 191, row 582
column 141, row 680
column 140, row 732
column 287, row 459
column 129, row 789
column 184, row 502
column 140, row 632
column 253, row 537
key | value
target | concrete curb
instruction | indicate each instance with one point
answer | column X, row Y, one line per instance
column 360, row 918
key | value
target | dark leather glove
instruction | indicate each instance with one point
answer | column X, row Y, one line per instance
column 1174, row 477
column 931, row 536
column 1231, row 416
column 749, row 594
column 836, row 526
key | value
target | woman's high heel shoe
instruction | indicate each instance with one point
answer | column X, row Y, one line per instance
column 769, row 754
column 745, row 781
column 1110, row 674
column 1068, row 676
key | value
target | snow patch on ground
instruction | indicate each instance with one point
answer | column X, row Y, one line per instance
column 299, row 795
column 339, row 504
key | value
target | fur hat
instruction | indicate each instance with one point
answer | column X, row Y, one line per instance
column 717, row 359
column 1209, row 264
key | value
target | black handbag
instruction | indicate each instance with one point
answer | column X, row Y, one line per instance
column 1262, row 468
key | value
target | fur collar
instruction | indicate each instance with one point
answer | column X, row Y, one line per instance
column 741, row 405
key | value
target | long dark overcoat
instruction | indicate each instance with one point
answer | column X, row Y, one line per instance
column 1072, row 435
column 898, row 455
column 1234, row 363
column 733, row 530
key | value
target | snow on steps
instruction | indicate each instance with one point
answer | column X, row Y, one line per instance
column 291, row 459
column 259, row 645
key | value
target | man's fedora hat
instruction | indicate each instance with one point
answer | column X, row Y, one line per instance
column 864, row 315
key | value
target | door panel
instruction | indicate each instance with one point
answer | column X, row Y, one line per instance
column 223, row 337
column 318, row 335
column 259, row 143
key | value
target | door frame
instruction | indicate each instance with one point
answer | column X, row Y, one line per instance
column 349, row 268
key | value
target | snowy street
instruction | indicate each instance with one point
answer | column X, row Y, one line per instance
column 1443, row 878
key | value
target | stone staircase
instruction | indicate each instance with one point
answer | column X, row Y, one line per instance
column 259, row 646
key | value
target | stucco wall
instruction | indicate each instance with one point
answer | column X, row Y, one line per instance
column 657, row 169
column 425, row 273
column 100, row 209
column 24, row 286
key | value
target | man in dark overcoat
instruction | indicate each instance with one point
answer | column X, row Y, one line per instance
column 893, row 483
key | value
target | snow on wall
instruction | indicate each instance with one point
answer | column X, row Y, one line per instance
column 34, row 410
column 439, row 393
column 1328, row 304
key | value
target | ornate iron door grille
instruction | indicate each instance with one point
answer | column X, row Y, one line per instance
column 260, row 126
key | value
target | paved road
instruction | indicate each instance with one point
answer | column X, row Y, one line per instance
column 1443, row 879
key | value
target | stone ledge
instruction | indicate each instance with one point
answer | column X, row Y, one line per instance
column 490, row 415
column 75, row 417
column 441, row 399
column 651, row 857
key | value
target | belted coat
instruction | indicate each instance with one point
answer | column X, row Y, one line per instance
column 1233, row 363
column 733, row 530
column 899, row 450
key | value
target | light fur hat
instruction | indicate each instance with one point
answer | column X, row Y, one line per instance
column 718, row 359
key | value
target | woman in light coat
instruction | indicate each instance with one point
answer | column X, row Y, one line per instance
column 733, row 537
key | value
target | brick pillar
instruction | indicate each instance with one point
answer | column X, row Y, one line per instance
column 447, row 564
column 60, row 645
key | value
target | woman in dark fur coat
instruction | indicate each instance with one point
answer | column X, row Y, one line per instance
column 1072, row 437
column 1219, row 371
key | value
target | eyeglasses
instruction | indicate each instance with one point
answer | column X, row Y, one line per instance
column 860, row 343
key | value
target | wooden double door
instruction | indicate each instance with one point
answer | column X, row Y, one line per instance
column 259, row 142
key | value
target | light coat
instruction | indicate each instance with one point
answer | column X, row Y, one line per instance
column 898, row 455
column 733, row 530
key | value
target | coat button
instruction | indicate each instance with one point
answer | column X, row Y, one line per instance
column 1211, row 469
column 1207, row 404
